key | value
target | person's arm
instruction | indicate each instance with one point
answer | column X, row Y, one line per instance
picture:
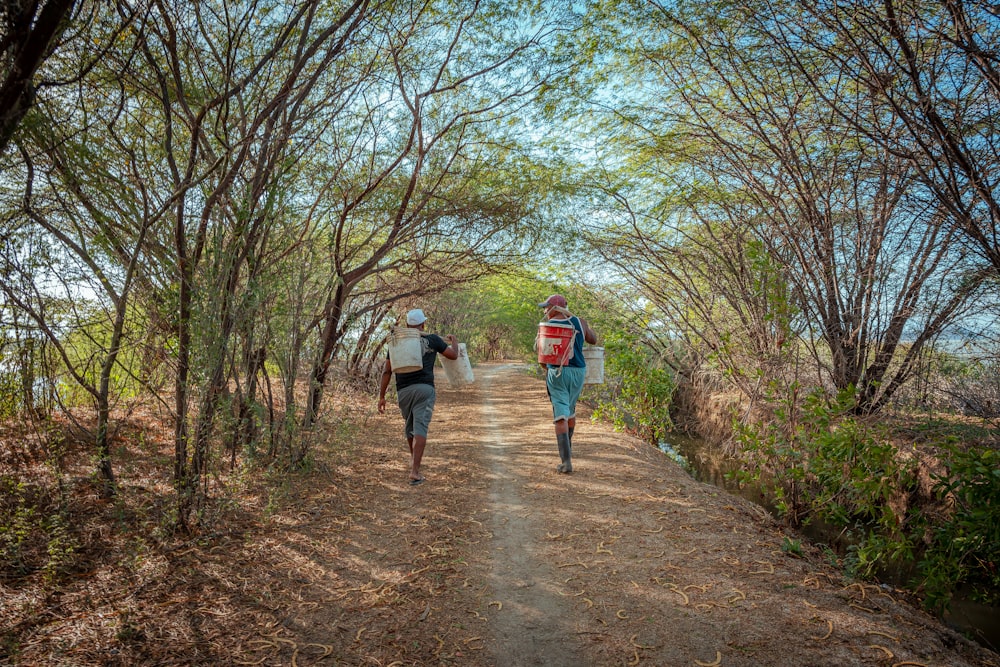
column 589, row 334
column 544, row 367
column 451, row 352
column 384, row 384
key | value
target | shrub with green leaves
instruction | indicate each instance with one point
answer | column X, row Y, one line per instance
column 964, row 547
column 639, row 392
column 34, row 535
column 826, row 464
column 17, row 518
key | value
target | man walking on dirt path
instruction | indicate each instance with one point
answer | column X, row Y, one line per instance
column 415, row 391
column 565, row 382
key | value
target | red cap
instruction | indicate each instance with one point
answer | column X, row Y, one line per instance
column 556, row 300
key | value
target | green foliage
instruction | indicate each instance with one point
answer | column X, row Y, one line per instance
column 32, row 537
column 11, row 371
column 791, row 547
column 854, row 474
column 511, row 312
column 497, row 316
column 17, row 518
column 87, row 348
column 639, row 391
column 10, row 387
column 829, row 555
column 965, row 544
column 60, row 547
column 827, row 465
column 772, row 289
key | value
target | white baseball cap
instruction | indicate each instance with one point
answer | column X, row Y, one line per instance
column 415, row 317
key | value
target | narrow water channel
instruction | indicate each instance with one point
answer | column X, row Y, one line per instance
column 707, row 464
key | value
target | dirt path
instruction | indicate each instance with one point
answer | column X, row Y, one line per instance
column 536, row 628
column 496, row 560
column 499, row 560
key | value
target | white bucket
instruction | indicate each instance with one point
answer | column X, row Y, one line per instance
column 595, row 364
column 405, row 354
column 458, row 371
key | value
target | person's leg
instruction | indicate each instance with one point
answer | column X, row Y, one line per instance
column 423, row 410
column 571, row 381
column 555, row 382
column 563, row 443
column 416, row 455
column 570, row 426
column 405, row 401
column 411, row 401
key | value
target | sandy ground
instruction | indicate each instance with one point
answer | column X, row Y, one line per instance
column 498, row 560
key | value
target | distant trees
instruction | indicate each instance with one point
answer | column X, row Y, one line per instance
column 497, row 316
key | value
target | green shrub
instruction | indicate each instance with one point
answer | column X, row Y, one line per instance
column 965, row 544
column 33, row 536
column 827, row 465
column 639, row 392
column 17, row 520
column 60, row 547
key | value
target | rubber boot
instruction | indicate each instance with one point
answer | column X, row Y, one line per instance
column 571, row 441
column 564, row 453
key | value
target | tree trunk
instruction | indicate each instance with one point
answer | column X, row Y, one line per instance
column 330, row 337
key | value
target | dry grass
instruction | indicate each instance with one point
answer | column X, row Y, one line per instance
column 628, row 560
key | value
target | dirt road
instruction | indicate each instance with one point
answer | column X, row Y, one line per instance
column 499, row 560
column 496, row 560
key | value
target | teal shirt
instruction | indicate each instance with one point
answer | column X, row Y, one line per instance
column 577, row 361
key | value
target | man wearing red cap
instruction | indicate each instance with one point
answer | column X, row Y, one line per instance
column 565, row 382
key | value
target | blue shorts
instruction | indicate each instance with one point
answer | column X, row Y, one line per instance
column 564, row 386
column 416, row 404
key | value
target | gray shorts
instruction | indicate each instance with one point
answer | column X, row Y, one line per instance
column 416, row 404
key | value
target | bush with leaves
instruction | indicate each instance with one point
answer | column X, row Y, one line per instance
column 639, row 392
column 17, row 521
column 825, row 464
column 35, row 534
column 964, row 547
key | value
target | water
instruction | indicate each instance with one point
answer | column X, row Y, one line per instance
column 708, row 464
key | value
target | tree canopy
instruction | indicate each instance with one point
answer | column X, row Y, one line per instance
column 219, row 207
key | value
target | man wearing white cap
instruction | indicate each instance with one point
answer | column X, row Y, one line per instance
column 564, row 382
column 415, row 391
